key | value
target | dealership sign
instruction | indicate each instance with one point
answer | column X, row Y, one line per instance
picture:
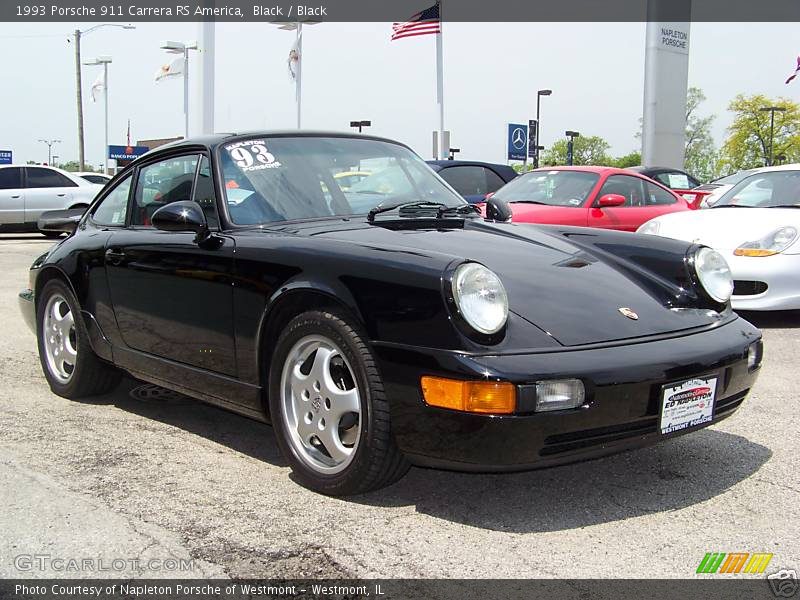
column 126, row 152
column 6, row 157
column 517, row 141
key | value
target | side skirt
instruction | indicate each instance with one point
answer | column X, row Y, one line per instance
column 213, row 388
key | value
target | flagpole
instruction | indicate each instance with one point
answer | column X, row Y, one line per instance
column 443, row 152
column 298, row 78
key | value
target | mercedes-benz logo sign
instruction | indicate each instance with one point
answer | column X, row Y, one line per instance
column 518, row 138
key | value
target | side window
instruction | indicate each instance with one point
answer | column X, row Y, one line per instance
column 466, row 180
column 113, row 208
column 204, row 193
column 10, row 178
column 658, row 196
column 493, row 181
column 160, row 184
column 47, row 178
column 624, row 185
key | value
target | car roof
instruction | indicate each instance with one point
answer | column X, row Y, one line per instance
column 214, row 140
column 587, row 168
column 467, row 163
column 643, row 169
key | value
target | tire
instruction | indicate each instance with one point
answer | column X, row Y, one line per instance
column 71, row 367
column 52, row 234
column 364, row 455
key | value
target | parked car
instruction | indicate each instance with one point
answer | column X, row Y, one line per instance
column 26, row 191
column 92, row 177
column 603, row 197
column 717, row 188
column 416, row 332
column 472, row 179
column 755, row 227
column 678, row 181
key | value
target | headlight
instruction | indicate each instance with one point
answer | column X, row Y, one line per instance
column 480, row 297
column 650, row 228
column 714, row 274
column 775, row 242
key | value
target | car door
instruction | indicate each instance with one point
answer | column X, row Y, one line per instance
column 172, row 296
column 627, row 217
column 12, row 196
column 467, row 180
column 46, row 189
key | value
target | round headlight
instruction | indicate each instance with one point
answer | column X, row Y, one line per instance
column 480, row 297
column 714, row 274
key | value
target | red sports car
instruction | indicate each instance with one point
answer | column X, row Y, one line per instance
column 589, row 197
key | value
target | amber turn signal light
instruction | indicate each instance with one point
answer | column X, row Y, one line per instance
column 486, row 397
column 753, row 252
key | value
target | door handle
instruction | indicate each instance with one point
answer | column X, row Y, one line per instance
column 115, row 257
column 17, row 196
column 60, row 195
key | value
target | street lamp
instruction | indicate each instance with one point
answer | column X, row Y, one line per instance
column 539, row 95
column 360, row 124
column 182, row 48
column 77, row 35
column 104, row 61
column 571, row 144
column 772, row 110
column 50, row 144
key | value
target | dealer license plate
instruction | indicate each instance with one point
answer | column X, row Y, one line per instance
column 687, row 404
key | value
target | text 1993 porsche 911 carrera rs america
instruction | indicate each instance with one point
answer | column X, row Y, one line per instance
column 385, row 323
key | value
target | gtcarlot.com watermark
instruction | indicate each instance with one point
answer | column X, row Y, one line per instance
column 62, row 564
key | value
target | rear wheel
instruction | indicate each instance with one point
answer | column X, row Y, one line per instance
column 70, row 365
column 329, row 409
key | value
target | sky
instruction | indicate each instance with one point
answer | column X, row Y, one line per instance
column 352, row 71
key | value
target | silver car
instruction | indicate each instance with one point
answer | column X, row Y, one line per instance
column 26, row 191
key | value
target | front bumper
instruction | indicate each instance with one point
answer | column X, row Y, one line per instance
column 779, row 272
column 28, row 308
column 623, row 385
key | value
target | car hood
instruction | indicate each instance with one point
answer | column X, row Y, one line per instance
column 565, row 288
column 725, row 229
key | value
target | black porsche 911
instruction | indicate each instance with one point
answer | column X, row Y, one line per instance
column 386, row 324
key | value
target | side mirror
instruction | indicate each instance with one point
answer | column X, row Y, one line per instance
column 60, row 220
column 609, row 200
column 498, row 210
column 181, row 216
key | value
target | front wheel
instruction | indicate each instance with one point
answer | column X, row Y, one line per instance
column 70, row 365
column 328, row 407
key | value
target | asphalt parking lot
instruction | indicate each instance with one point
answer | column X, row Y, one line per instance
column 122, row 477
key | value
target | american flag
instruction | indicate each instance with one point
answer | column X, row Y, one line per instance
column 422, row 23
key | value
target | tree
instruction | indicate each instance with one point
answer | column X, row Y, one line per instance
column 700, row 157
column 73, row 166
column 631, row 159
column 748, row 143
column 588, row 150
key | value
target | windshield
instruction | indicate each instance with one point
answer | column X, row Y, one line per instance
column 555, row 188
column 271, row 179
column 764, row 190
column 733, row 179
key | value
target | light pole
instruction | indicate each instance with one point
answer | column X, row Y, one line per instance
column 539, row 95
column 182, row 48
column 571, row 145
column 360, row 124
column 104, row 61
column 50, row 144
column 78, row 34
column 771, row 110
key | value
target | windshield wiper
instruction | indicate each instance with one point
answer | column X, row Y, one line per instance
column 528, row 202
column 421, row 206
column 731, row 206
column 784, row 206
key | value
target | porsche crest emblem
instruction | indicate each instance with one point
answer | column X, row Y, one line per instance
column 628, row 313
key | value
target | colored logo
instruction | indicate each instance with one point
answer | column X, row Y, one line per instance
column 734, row 562
column 625, row 311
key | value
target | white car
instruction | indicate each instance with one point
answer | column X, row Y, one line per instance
column 718, row 187
column 755, row 226
column 26, row 191
column 92, row 177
